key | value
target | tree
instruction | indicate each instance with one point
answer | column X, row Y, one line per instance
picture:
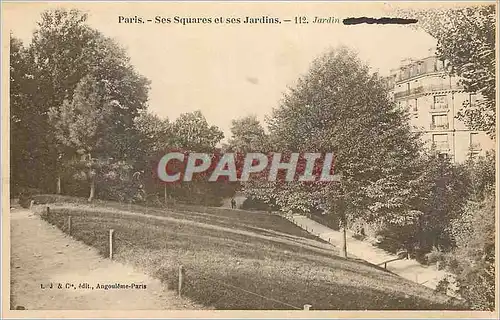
column 74, row 63
column 247, row 135
column 155, row 137
column 64, row 50
column 193, row 133
column 83, row 124
column 340, row 107
column 62, row 46
column 155, row 134
column 26, row 124
column 481, row 173
column 473, row 260
column 190, row 132
column 466, row 39
column 93, row 124
column 439, row 194
column 471, row 227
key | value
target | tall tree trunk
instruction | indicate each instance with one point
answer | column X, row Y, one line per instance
column 92, row 179
column 58, row 190
column 92, row 189
column 344, row 235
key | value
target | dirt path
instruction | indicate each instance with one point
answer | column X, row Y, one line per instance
column 41, row 254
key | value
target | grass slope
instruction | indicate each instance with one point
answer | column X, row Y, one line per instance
column 227, row 254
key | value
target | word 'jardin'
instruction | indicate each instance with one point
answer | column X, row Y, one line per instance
column 306, row 167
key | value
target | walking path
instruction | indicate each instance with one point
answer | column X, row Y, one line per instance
column 408, row 268
column 42, row 255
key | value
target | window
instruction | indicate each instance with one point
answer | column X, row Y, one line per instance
column 429, row 65
column 474, row 141
column 440, row 142
column 413, row 70
column 440, row 102
column 420, row 67
column 439, row 65
column 406, row 72
column 439, row 121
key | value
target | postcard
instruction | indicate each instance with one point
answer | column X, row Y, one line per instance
column 255, row 159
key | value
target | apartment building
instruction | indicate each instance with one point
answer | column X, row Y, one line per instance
column 433, row 98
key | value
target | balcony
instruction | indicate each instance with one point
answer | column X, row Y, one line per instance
column 438, row 108
column 427, row 89
column 409, row 92
column 444, row 126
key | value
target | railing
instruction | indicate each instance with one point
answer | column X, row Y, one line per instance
column 440, row 126
column 439, row 106
column 427, row 88
column 409, row 92
column 401, row 255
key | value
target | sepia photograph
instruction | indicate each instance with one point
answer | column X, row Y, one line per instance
column 249, row 159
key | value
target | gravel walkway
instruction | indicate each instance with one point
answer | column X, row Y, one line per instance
column 42, row 255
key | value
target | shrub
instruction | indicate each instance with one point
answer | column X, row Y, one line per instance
column 473, row 259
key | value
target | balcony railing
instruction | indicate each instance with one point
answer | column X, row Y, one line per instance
column 402, row 76
column 439, row 106
column 427, row 88
column 409, row 92
column 443, row 126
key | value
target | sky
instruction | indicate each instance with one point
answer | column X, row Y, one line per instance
column 230, row 71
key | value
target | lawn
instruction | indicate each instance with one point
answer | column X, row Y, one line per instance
column 238, row 260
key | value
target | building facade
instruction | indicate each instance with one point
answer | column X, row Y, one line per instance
column 433, row 99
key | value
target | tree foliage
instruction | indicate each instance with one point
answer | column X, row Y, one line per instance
column 192, row 132
column 473, row 260
column 28, row 144
column 247, row 135
column 80, row 95
column 340, row 107
column 155, row 133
